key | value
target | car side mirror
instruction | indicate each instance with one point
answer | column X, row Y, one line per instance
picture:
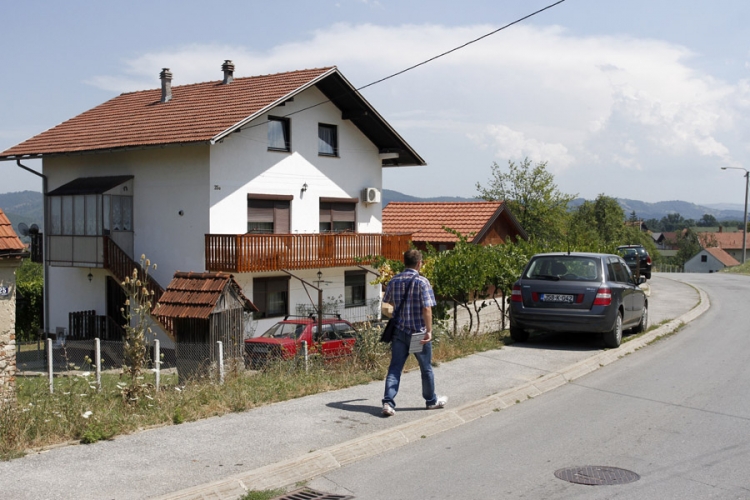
column 641, row 280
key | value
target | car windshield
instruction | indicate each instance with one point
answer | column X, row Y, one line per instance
column 563, row 268
column 284, row 331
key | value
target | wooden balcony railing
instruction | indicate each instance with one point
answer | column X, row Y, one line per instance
column 244, row 253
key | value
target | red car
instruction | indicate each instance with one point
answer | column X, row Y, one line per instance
column 284, row 340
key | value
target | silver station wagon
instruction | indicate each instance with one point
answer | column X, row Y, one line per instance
column 578, row 292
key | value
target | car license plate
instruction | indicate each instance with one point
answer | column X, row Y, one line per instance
column 556, row 297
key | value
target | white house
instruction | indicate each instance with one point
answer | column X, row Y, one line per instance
column 710, row 260
column 275, row 179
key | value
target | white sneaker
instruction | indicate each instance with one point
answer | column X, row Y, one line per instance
column 440, row 403
column 388, row 410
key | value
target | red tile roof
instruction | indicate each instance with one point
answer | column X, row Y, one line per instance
column 10, row 243
column 730, row 241
column 195, row 295
column 197, row 113
column 722, row 256
column 425, row 220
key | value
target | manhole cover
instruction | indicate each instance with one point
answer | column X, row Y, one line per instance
column 596, row 475
column 310, row 494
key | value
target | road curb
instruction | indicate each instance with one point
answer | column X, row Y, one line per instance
column 316, row 463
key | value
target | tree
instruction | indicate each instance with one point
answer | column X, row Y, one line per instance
column 597, row 226
column 708, row 220
column 29, row 309
column 688, row 245
column 633, row 217
column 672, row 222
column 532, row 196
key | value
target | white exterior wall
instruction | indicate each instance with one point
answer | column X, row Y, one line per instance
column 242, row 164
column 210, row 184
column 712, row 264
column 166, row 180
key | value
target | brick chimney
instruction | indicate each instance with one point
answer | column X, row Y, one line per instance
column 166, row 85
column 228, row 69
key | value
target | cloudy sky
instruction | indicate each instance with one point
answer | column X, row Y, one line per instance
column 639, row 99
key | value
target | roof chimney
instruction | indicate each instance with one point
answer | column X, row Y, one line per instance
column 166, row 85
column 228, row 69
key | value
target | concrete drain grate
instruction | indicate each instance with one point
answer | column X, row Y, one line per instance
column 310, row 494
column 596, row 475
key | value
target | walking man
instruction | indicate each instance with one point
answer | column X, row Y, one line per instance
column 411, row 295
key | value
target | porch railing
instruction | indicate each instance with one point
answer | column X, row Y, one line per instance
column 242, row 253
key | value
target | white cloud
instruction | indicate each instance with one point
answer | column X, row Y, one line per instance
column 585, row 104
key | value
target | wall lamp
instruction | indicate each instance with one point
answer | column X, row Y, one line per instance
column 304, row 187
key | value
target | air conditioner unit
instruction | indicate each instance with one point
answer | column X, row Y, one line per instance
column 371, row 195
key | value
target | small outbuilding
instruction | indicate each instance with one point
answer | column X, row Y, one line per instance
column 710, row 260
column 204, row 308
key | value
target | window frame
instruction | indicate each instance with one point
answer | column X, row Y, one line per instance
column 333, row 129
column 264, row 286
column 331, row 211
column 279, row 211
column 349, row 300
column 286, row 130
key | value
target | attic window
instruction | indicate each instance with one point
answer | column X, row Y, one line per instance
column 327, row 140
column 279, row 138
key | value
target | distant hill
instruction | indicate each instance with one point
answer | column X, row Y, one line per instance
column 687, row 210
column 642, row 209
column 23, row 206
column 27, row 206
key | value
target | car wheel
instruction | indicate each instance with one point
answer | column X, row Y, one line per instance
column 613, row 338
column 643, row 324
column 518, row 334
column 648, row 276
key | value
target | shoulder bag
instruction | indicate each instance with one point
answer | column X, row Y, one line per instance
column 390, row 327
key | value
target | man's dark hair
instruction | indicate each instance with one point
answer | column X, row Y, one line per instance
column 412, row 258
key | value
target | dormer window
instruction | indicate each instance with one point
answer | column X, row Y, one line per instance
column 279, row 138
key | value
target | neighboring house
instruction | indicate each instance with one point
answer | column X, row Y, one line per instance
column 12, row 251
column 710, row 260
column 482, row 222
column 731, row 243
column 275, row 179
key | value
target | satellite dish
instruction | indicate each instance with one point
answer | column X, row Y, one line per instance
column 34, row 229
column 23, row 229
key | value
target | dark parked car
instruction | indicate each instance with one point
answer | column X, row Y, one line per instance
column 284, row 340
column 577, row 292
column 632, row 254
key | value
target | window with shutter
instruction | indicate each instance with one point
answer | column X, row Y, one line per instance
column 268, row 216
column 337, row 217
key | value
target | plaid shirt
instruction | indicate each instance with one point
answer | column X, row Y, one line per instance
column 420, row 296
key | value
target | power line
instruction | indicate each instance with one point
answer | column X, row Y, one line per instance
column 461, row 46
column 430, row 59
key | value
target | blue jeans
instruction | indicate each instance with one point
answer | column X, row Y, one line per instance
column 399, row 354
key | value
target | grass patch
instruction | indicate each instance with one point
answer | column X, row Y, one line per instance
column 78, row 412
column 263, row 494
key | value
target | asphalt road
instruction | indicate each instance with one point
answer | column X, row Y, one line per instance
column 201, row 454
column 676, row 413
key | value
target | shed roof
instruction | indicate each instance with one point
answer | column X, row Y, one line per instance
column 206, row 113
column 195, row 295
column 425, row 220
column 10, row 243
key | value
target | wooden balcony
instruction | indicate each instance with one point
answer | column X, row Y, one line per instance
column 247, row 253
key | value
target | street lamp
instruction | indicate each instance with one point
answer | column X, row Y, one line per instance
column 744, row 227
